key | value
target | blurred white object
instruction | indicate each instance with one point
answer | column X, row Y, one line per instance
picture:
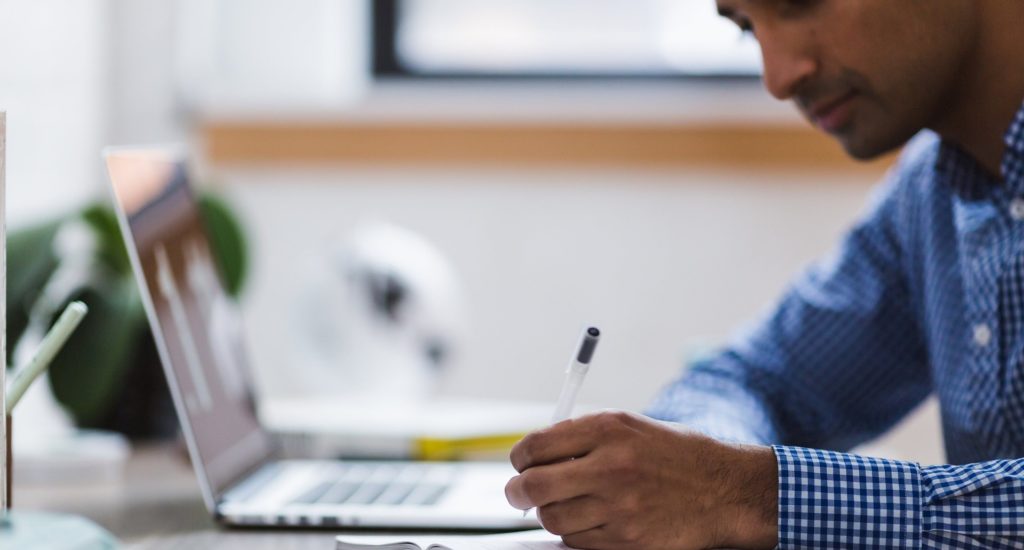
column 82, row 457
column 573, row 37
column 380, row 314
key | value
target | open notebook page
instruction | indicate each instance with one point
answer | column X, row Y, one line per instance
column 522, row 540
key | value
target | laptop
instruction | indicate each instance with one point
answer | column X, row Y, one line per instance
column 198, row 335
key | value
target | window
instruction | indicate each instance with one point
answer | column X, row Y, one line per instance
column 565, row 38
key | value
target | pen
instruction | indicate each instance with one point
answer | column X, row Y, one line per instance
column 574, row 374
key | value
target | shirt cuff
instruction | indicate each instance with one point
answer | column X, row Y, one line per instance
column 840, row 500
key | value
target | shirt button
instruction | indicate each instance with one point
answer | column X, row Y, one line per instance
column 982, row 335
column 1017, row 209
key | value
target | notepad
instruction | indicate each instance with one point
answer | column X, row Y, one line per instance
column 524, row 540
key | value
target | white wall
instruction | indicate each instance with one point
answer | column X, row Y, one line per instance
column 77, row 75
column 142, row 94
column 660, row 260
column 52, row 81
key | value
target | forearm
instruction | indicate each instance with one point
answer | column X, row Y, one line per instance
column 713, row 398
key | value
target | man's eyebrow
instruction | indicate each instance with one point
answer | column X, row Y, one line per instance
column 728, row 11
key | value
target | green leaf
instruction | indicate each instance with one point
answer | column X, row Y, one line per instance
column 227, row 242
column 87, row 375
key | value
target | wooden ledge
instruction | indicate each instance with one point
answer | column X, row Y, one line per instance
column 535, row 144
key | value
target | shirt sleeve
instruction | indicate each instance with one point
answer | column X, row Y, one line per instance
column 837, row 500
column 838, row 360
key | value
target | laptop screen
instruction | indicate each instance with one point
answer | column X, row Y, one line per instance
column 195, row 323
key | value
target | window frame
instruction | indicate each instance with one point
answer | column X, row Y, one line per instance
column 386, row 63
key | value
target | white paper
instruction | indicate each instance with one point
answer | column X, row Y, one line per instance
column 524, row 540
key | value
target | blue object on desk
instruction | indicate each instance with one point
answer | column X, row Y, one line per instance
column 54, row 531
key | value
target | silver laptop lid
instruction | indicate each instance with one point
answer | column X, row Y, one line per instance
column 194, row 322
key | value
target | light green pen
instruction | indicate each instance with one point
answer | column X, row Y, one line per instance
column 48, row 348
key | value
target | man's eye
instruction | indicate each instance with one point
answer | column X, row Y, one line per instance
column 798, row 7
column 746, row 27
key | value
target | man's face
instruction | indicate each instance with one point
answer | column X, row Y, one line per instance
column 869, row 72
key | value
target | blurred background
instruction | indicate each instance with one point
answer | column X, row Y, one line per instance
column 569, row 162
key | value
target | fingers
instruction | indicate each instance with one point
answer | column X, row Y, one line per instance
column 559, row 442
column 575, row 515
column 567, row 439
column 542, row 485
column 597, row 538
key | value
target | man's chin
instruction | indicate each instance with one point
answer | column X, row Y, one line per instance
column 864, row 149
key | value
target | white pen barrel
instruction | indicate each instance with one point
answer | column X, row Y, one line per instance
column 578, row 367
column 573, row 381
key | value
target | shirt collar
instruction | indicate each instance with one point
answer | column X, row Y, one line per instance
column 966, row 176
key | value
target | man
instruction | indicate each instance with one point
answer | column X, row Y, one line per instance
column 925, row 294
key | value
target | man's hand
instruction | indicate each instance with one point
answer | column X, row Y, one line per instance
column 616, row 480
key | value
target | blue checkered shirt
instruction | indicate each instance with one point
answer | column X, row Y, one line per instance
column 924, row 295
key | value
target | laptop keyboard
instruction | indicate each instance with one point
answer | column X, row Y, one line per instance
column 384, row 484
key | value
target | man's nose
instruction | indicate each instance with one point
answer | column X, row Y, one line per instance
column 787, row 63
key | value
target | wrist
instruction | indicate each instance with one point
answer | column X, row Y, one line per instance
column 750, row 498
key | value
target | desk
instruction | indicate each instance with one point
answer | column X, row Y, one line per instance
column 157, row 505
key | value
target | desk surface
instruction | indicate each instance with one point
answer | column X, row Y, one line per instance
column 156, row 504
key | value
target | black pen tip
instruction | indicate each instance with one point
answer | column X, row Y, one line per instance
column 588, row 345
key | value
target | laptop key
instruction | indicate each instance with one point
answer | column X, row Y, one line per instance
column 358, row 473
column 383, row 485
column 339, row 492
column 367, row 493
column 425, row 495
column 394, row 494
column 435, row 495
column 314, row 494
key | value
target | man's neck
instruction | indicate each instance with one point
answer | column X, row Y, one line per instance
column 992, row 89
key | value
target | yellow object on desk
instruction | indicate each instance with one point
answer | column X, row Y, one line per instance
column 488, row 446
